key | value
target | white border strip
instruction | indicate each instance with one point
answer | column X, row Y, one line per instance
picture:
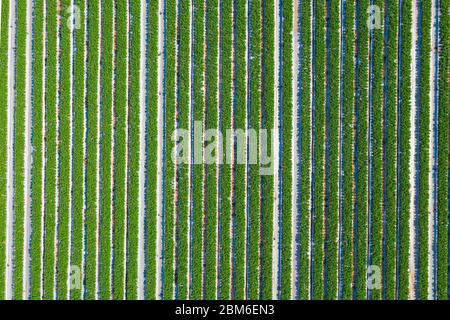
column 57, row 108
column 142, row 153
column 295, row 150
column 159, row 225
column 413, row 157
column 98, row 151
column 27, row 157
column 10, row 156
column 43, row 142
column 276, row 152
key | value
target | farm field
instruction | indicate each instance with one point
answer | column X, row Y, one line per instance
column 224, row 149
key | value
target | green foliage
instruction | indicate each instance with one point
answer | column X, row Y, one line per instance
column 268, row 187
column 37, row 127
column 151, row 163
column 19, row 146
column 107, row 168
column 211, row 119
column 287, row 189
column 51, row 152
column 79, row 150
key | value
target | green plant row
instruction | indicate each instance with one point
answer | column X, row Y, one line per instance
column 51, row 150
column 319, row 142
column 348, row 139
column 254, row 121
column 79, row 151
column 226, row 172
column 3, row 134
column 363, row 156
column 92, row 150
column 183, row 169
column 423, row 188
column 304, row 101
column 133, row 148
column 404, row 145
column 391, row 152
column 151, row 140
column 65, row 127
column 332, row 143
column 268, row 123
column 19, row 146
column 120, row 170
column 37, row 127
column 444, row 101
column 287, row 190
column 170, row 125
column 377, row 150
column 240, row 19
column 107, row 167
column 211, row 120
column 197, row 182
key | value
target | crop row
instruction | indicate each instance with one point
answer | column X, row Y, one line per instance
column 133, row 148
column 107, row 168
column 182, row 205
column 151, row 161
column 38, row 148
column 93, row 122
column 361, row 151
column 120, row 172
column 65, row 150
column 423, row 188
column 226, row 113
column 332, row 210
column 376, row 150
column 286, row 136
column 390, row 92
column 4, row 17
column 51, row 152
column 304, row 112
column 79, row 144
column 404, row 137
column 240, row 116
column 347, row 156
column 170, row 106
column 198, row 101
column 254, row 121
column 268, row 186
column 318, row 210
column 19, row 145
column 211, row 118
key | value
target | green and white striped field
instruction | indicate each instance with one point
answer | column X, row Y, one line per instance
column 224, row 149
